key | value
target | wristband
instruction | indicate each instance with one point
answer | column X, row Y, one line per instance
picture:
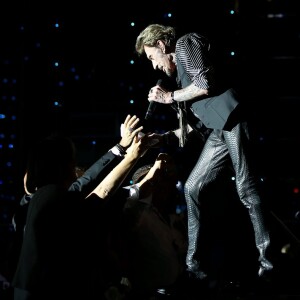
column 121, row 149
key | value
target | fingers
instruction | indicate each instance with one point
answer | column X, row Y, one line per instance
column 157, row 94
column 137, row 130
column 130, row 124
column 127, row 119
column 164, row 157
column 131, row 121
column 139, row 146
column 164, row 162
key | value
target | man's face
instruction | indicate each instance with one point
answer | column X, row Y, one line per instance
column 160, row 60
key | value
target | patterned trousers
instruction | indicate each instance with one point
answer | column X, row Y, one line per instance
column 220, row 147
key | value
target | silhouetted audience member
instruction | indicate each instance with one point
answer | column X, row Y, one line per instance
column 85, row 182
column 57, row 253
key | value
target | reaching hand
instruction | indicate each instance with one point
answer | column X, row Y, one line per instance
column 159, row 167
column 128, row 130
column 158, row 176
column 139, row 146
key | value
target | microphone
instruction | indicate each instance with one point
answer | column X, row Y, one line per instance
column 152, row 104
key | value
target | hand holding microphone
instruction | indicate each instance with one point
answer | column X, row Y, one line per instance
column 160, row 95
column 152, row 105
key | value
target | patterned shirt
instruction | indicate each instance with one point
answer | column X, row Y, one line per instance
column 192, row 51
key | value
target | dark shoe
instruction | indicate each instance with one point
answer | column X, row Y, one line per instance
column 196, row 275
column 265, row 267
column 265, row 283
column 265, row 276
column 264, row 272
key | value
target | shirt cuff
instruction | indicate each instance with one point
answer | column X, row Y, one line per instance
column 117, row 151
column 134, row 191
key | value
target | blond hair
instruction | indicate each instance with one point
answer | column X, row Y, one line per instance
column 151, row 34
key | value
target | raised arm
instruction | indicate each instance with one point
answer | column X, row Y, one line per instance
column 116, row 177
column 97, row 172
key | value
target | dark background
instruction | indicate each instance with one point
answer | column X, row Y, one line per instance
column 95, row 82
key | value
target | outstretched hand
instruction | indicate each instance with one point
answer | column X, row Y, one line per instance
column 140, row 145
column 162, row 171
column 129, row 131
column 159, row 167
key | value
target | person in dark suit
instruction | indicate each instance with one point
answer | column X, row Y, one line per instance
column 86, row 181
column 59, row 238
column 214, row 111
